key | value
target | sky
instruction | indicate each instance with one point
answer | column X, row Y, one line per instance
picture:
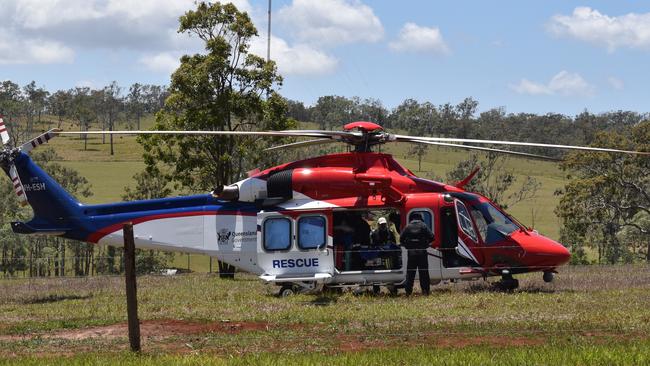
column 525, row 56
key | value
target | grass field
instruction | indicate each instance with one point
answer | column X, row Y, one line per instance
column 590, row 315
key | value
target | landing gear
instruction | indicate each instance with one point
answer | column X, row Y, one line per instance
column 286, row 291
column 507, row 283
column 548, row 276
column 392, row 290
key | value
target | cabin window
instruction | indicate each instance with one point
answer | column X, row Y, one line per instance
column 277, row 233
column 427, row 217
column 311, row 232
column 465, row 221
column 491, row 223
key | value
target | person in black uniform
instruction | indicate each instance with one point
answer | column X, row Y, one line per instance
column 416, row 238
column 382, row 235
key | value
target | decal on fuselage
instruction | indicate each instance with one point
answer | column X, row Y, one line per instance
column 33, row 187
column 295, row 263
column 236, row 230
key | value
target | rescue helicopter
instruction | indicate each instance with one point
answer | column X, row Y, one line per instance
column 284, row 223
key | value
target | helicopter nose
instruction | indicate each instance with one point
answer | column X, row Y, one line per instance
column 543, row 252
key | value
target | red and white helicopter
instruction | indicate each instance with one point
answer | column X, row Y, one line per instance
column 284, row 223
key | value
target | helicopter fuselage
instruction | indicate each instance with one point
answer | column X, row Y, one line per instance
column 281, row 224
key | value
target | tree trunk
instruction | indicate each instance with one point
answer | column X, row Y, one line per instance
column 110, row 259
column 57, row 257
column 62, row 258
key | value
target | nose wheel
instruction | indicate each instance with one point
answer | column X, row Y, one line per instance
column 548, row 276
column 507, row 283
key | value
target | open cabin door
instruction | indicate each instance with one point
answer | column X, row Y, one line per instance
column 294, row 248
column 468, row 241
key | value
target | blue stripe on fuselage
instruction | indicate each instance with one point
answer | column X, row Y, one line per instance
column 94, row 218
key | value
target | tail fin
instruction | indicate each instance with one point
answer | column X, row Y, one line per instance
column 54, row 208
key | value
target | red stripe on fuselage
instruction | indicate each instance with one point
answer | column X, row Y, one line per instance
column 96, row 236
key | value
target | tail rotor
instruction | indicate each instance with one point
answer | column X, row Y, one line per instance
column 9, row 154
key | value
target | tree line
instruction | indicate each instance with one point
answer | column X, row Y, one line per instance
column 86, row 108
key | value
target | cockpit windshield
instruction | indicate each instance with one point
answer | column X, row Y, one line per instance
column 491, row 223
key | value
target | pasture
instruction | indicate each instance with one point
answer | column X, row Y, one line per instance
column 590, row 315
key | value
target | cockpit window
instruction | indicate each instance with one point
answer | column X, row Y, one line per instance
column 491, row 223
column 465, row 221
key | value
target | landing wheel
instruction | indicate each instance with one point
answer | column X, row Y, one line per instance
column 548, row 277
column 286, row 290
column 392, row 290
column 376, row 289
column 508, row 283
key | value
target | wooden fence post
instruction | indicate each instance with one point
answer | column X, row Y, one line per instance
column 131, row 288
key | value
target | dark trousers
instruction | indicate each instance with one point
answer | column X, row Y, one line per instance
column 417, row 260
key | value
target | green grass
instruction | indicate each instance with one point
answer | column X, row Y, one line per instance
column 581, row 354
column 590, row 315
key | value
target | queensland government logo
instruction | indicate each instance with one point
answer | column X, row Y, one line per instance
column 224, row 236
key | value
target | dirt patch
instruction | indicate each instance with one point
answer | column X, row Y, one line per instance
column 148, row 329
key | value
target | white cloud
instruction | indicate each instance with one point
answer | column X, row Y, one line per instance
column 526, row 86
column 563, row 83
column 616, row 83
column 413, row 37
column 17, row 50
column 51, row 31
column 300, row 59
column 331, row 22
column 164, row 62
column 586, row 24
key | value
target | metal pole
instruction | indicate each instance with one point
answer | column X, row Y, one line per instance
column 131, row 288
column 268, row 35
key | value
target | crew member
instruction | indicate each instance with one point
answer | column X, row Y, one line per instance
column 416, row 238
column 382, row 235
column 383, row 239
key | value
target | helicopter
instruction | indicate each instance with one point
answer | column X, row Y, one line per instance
column 283, row 223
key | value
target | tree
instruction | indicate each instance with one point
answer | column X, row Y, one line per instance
column 136, row 103
column 113, row 104
column 36, row 101
column 331, row 111
column 83, row 109
column 607, row 199
column 220, row 89
column 494, row 180
column 60, row 105
column 12, row 106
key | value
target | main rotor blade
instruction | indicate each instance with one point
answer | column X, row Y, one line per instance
column 301, row 144
column 470, row 147
column 38, row 140
column 4, row 134
column 287, row 133
column 18, row 185
column 516, row 143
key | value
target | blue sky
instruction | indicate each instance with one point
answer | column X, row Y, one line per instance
column 544, row 56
